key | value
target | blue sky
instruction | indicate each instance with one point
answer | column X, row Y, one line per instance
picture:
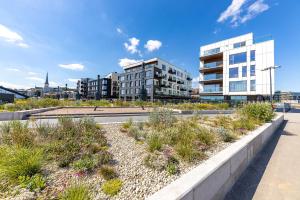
column 71, row 39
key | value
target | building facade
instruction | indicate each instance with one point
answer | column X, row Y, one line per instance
column 154, row 79
column 232, row 69
column 99, row 88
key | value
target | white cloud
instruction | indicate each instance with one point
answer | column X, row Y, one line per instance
column 132, row 45
column 12, row 37
column 13, row 69
column 119, row 30
column 254, row 9
column 53, row 84
column 195, row 82
column 74, row 66
column 13, row 86
column 35, row 79
column 32, row 73
column 123, row 62
column 153, row 45
column 239, row 11
column 73, row 80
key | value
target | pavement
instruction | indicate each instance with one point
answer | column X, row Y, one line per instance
column 275, row 172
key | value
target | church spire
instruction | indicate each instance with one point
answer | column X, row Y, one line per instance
column 46, row 82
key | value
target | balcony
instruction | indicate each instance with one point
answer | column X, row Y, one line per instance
column 212, row 90
column 212, row 65
column 210, row 77
column 171, row 71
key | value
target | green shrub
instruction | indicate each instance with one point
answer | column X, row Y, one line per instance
column 154, row 142
column 226, row 135
column 112, row 187
column 223, row 121
column 18, row 161
column 108, row 172
column 86, row 163
column 206, row 136
column 36, row 182
column 104, row 157
column 260, row 111
column 242, row 124
column 135, row 133
column 17, row 133
column 161, row 118
column 77, row 191
column 188, row 153
column 172, row 165
column 155, row 161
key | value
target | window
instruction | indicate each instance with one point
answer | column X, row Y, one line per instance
column 239, row 44
column 164, row 67
column 104, row 92
column 122, row 91
column 244, row 71
column 136, row 75
column 237, row 86
column 122, row 85
column 137, row 91
column 234, row 72
column 252, row 85
column 104, row 81
column 104, row 87
column 131, row 83
column 149, row 82
column 148, row 73
column 252, row 55
column 137, row 83
column 237, row 58
column 252, row 70
column 148, row 90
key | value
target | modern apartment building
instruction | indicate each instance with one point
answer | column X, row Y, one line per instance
column 114, row 77
column 232, row 69
column 154, row 79
column 98, row 88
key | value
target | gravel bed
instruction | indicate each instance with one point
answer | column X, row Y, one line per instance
column 140, row 181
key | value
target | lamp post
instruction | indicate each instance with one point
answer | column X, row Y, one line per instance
column 270, row 71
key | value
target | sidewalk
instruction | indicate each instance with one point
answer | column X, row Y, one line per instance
column 275, row 172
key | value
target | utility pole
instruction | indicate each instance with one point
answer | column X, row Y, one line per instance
column 270, row 71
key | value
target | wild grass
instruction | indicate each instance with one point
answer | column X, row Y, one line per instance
column 19, row 161
column 77, row 191
column 108, row 172
column 112, row 187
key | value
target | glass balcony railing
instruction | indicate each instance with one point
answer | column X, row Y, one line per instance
column 213, row 64
column 211, row 52
column 212, row 77
column 213, row 89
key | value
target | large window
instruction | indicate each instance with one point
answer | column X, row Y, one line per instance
column 164, row 67
column 252, row 55
column 252, row 70
column 234, row 72
column 237, row 58
column 148, row 73
column 237, row 86
column 244, row 71
column 252, row 85
column 149, row 82
column 239, row 44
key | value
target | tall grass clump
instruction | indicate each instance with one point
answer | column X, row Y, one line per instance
column 112, row 187
column 19, row 161
column 16, row 133
column 161, row 118
column 76, row 191
column 260, row 111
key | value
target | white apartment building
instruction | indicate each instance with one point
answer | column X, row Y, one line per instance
column 154, row 79
column 232, row 69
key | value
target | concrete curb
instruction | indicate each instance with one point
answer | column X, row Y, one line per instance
column 20, row 115
column 215, row 177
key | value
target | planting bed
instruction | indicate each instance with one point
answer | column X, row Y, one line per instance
column 116, row 161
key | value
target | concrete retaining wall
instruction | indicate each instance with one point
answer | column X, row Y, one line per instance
column 19, row 115
column 215, row 177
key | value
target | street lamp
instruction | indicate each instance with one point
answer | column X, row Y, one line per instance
column 270, row 70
